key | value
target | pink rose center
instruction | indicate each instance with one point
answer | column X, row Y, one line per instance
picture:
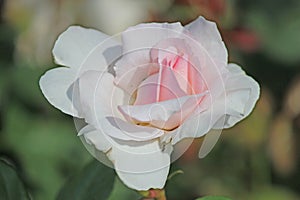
column 175, row 77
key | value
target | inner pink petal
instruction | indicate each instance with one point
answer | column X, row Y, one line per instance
column 147, row 91
column 196, row 81
column 177, row 76
column 161, row 86
column 188, row 77
column 175, row 54
column 181, row 70
column 168, row 85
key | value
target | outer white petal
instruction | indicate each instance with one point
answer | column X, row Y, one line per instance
column 145, row 36
column 97, row 143
column 236, row 103
column 209, row 55
column 56, row 85
column 75, row 44
column 99, row 97
column 96, row 138
column 208, row 36
column 242, row 93
column 142, row 166
column 197, row 125
column 81, row 49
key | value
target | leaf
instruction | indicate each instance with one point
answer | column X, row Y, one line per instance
column 95, row 181
column 11, row 187
column 213, row 198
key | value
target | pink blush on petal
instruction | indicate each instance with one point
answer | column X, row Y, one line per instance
column 176, row 76
column 181, row 70
column 188, row 77
column 176, row 54
column 161, row 86
column 196, row 81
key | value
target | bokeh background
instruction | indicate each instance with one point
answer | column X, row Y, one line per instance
column 256, row 160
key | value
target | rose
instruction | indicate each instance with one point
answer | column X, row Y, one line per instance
column 139, row 97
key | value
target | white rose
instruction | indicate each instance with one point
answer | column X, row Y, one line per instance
column 139, row 97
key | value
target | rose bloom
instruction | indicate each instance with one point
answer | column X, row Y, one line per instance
column 141, row 95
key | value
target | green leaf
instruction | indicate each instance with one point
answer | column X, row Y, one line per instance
column 11, row 187
column 95, row 181
column 213, row 198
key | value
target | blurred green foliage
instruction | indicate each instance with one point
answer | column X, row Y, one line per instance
column 120, row 191
column 256, row 160
column 39, row 140
column 11, row 187
column 279, row 32
column 213, row 198
column 95, row 181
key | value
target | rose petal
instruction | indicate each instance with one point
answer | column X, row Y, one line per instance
column 97, row 143
column 122, row 130
column 173, row 53
column 56, row 87
column 71, row 49
column 209, row 55
column 206, row 75
column 134, row 66
column 165, row 114
column 208, row 36
column 74, row 45
column 197, row 125
column 96, row 138
column 99, row 97
column 159, row 87
column 196, row 82
column 178, row 56
column 142, row 166
column 145, row 36
column 234, row 105
column 132, row 69
column 242, row 93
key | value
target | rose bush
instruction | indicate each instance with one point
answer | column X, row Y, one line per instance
column 140, row 96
